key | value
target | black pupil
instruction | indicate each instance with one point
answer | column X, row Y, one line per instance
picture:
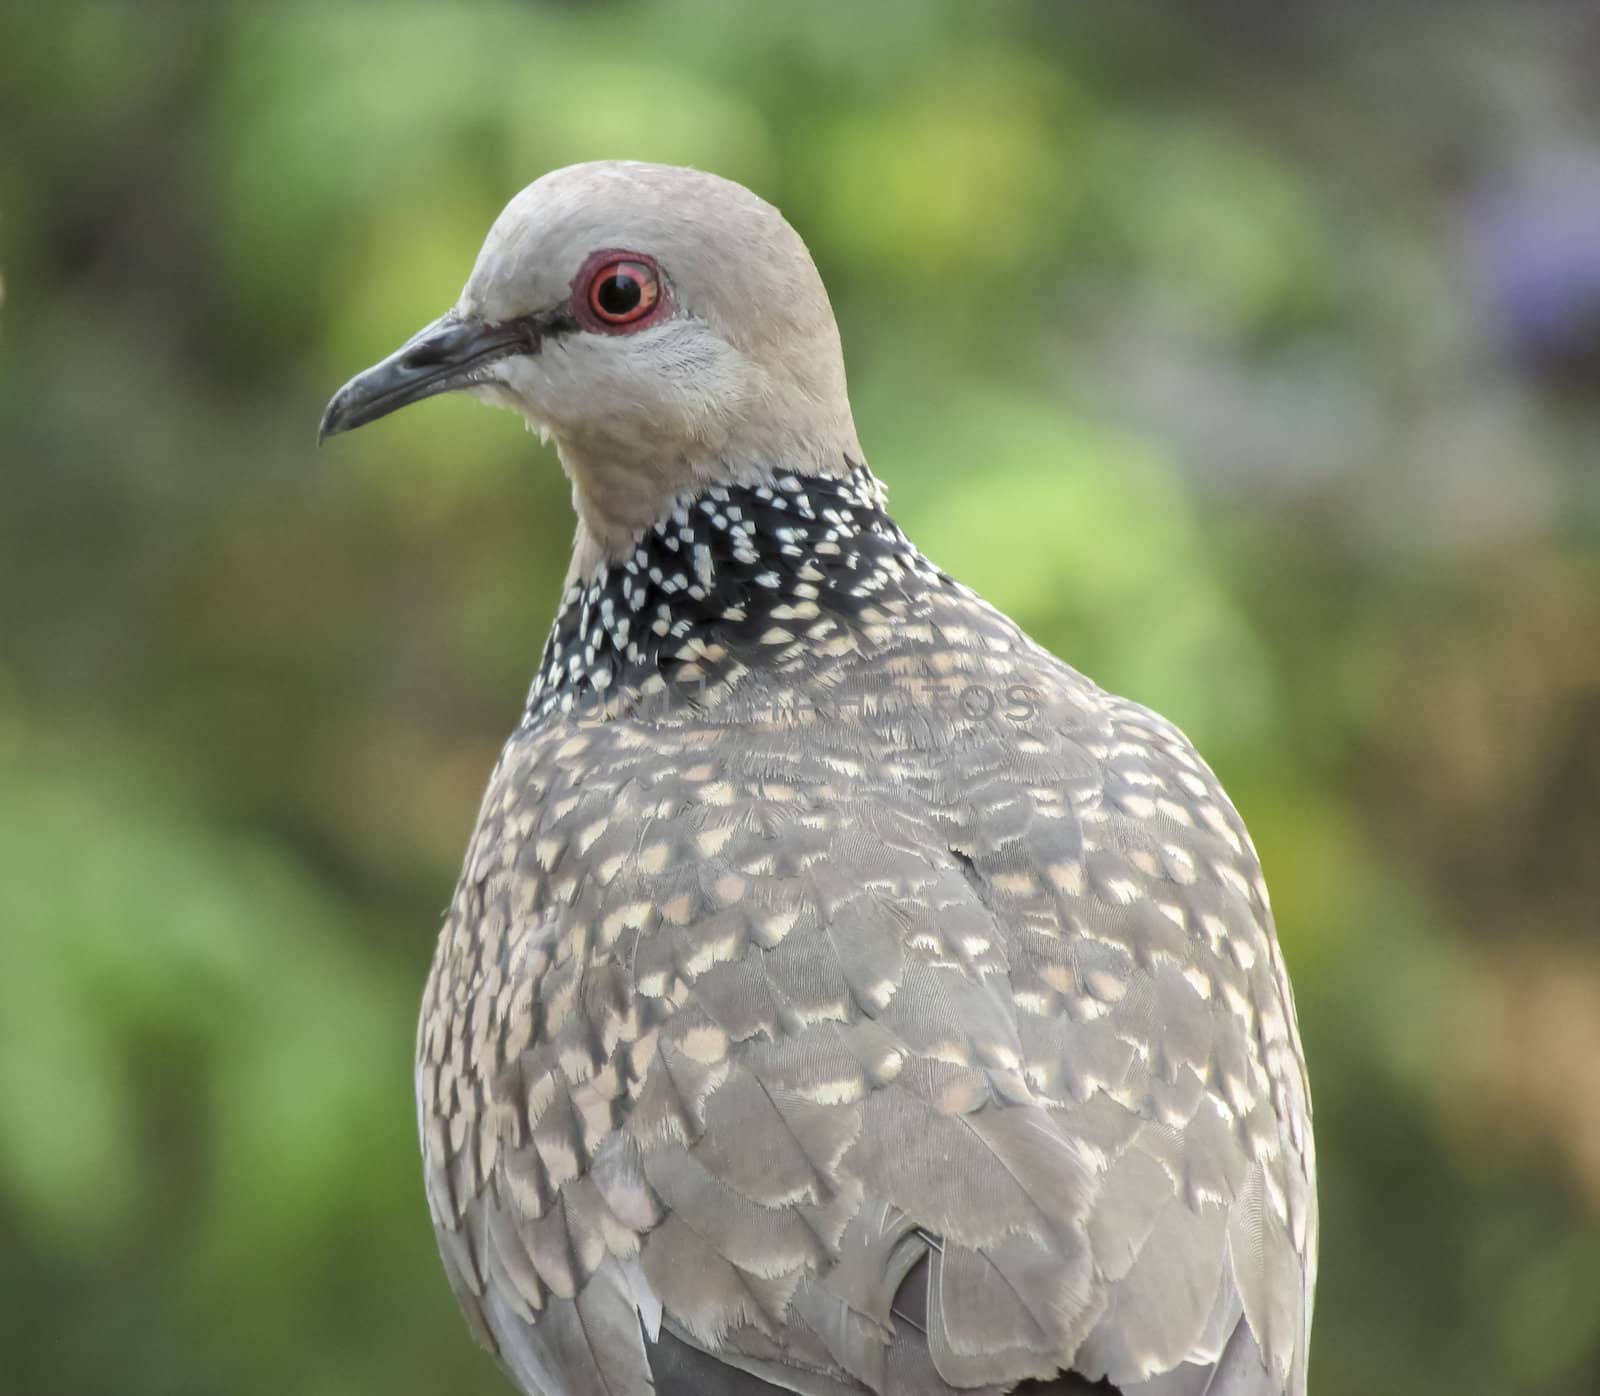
column 619, row 293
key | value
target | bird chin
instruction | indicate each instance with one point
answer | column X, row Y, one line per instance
column 492, row 389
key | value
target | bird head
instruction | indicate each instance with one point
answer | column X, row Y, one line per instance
column 666, row 327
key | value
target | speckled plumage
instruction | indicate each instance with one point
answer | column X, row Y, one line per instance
column 725, row 572
column 847, row 931
column 843, row 995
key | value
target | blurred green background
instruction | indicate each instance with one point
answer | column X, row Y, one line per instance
column 1249, row 354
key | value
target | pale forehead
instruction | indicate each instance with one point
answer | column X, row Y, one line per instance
column 686, row 219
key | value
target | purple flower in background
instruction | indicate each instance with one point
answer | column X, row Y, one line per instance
column 1533, row 246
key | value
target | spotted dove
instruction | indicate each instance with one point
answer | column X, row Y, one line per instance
column 841, row 993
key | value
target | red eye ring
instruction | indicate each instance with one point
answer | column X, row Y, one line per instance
column 623, row 291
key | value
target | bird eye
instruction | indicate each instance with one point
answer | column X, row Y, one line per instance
column 623, row 292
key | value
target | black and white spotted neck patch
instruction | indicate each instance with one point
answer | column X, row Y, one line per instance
column 728, row 579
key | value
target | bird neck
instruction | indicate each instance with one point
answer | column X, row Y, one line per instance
column 730, row 579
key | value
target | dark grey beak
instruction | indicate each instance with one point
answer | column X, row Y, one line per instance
column 449, row 353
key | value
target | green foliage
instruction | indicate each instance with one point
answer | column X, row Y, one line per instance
column 1158, row 331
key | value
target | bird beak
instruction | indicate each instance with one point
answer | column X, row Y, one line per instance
column 450, row 353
